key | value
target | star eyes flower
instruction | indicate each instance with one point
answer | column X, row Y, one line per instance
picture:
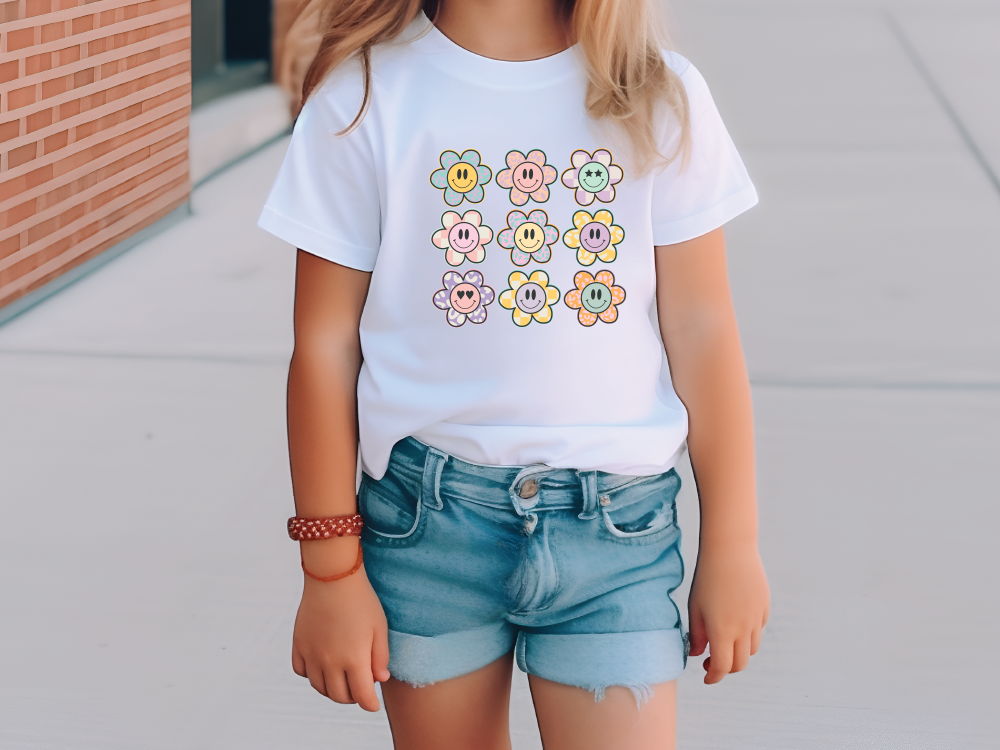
column 527, row 177
column 528, row 237
column 464, row 297
column 461, row 177
column 594, row 297
column 592, row 176
column 594, row 236
column 462, row 237
column 529, row 297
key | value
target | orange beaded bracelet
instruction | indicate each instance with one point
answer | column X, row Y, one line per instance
column 311, row 529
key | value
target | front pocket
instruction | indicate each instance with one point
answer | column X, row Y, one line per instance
column 642, row 513
column 393, row 515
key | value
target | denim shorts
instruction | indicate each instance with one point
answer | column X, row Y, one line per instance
column 571, row 569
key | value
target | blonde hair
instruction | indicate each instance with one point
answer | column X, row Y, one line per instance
column 621, row 41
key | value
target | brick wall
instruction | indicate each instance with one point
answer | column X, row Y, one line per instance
column 94, row 108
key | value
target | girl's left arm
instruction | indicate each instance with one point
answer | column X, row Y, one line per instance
column 729, row 601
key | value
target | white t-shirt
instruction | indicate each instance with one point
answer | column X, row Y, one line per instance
column 511, row 314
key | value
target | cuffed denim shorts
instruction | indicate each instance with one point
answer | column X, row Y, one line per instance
column 571, row 569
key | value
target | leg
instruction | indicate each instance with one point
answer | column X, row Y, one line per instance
column 470, row 712
column 569, row 719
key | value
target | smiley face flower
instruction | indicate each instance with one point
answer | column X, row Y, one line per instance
column 464, row 297
column 592, row 175
column 528, row 237
column 461, row 177
column 462, row 237
column 527, row 177
column 529, row 297
column 594, row 297
column 594, row 237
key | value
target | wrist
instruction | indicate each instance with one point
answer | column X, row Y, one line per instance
column 327, row 557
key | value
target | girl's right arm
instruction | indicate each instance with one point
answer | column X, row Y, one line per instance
column 340, row 641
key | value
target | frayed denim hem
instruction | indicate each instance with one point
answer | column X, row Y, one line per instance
column 642, row 693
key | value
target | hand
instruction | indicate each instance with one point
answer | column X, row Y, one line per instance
column 341, row 641
column 728, row 608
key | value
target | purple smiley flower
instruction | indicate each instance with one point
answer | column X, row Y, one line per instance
column 464, row 297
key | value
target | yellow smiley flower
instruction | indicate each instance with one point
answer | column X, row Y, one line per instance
column 594, row 236
column 529, row 297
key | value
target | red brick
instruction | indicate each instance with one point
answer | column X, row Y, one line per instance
column 56, row 142
column 10, row 130
column 142, row 58
column 56, row 86
column 82, row 24
column 8, row 71
column 37, row 63
column 107, row 18
column 52, row 32
column 20, row 39
column 64, row 4
column 9, row 12
column 39, row 120
column 19, row 213
column 21, row 97
column 38, row 7
column 10, row 246
column 67, row 56
column 110, row 69
column 69, row 109
column 83, row 78
column 22, row 155
column 38, row 177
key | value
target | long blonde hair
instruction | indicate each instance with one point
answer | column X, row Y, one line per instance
column 622, row 43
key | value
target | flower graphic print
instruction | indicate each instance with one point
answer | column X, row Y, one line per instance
column 592, row 176
column 528, row 237
column 594, row 236
column 461, row 177
column 464, row 297
column 462, row 237
column 529, row 297
column 594, row 297
column 527, row 177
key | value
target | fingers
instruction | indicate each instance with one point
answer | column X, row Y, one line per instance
column 298, row 663
column 380, row 654
column 337, row 688
column 755, row 641
column 362, row 687
column 741, row 655
column 721, row 662
column 316, row 679
column 698, row 635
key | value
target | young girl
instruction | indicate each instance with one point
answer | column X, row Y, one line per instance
column 509, row 217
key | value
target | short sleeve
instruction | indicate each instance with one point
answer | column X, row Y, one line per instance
column 713, row 187
column 325, row 199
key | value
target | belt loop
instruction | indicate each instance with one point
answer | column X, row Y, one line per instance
column 430, row 491
column 588, row 482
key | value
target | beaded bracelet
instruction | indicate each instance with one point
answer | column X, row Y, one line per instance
column 310, row 529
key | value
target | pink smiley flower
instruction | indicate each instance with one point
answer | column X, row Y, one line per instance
column 527, row 177
column 592, row 176
column 464, row 297
column 528, row 237
column 462, row 237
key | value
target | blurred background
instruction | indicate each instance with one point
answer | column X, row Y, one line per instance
column 145, row 330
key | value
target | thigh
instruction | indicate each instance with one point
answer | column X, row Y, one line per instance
column 570, row 719
column 470, row 712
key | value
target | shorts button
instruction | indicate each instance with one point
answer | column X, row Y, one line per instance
column 605, row 500
column 529, row 488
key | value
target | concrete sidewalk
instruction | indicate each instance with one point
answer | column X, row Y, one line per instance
column 143, row 407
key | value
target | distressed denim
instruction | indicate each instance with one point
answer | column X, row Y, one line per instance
column 571, row 569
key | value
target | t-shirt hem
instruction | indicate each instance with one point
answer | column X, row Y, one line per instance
column 671, row 233
column 316, row 243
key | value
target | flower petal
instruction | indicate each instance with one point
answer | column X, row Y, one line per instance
column 451, row 197
column 506, row 238
column 476, row 256
column 585, row 257
column 451, row 280
column 607, row 255
column 551, row 294
column 541, row 194
column 507, row 299
column 543, row 254
column 475, row 195
column 517, row 197
column 544, row 315
column 485, row 234
column 615, row 173
column 586, row 317
column 582, row 197
column 516, row 219
column 536, row 156
column 549, row 174
column 440, row 238
column 487, row 295
column 485, row 174
column 478, row 315
column 539, row 277
column 538, row 216
column 572, row 299
column 514, row 158
column 454, row 257
column 472, row 216
column 520, row 318
column 610, row 315
column 617, row 295
column 582, row 278
column 505, row 179
column 551, row 234
column 449, row 159
column 605, row 277
column 474, row 277
column 569, row 179
column 471, row 156
column 604, row 216
column 617, row 234
column 518, row 257
column 450, row 219
column 456, row 318
column 442, row 299
column 579, row 158
column 602, row 155
column 582, row 219
column 439, row 179
column 516, row 279
column 571, row 238
column 607, row 195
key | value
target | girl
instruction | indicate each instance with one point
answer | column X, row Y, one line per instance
column 508, row 219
